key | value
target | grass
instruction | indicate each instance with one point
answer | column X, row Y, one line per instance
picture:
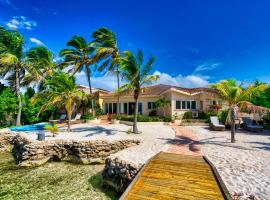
column 55, row 180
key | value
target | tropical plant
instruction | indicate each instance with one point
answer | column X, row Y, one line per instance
column 78, row 56
column 237, row 98
column 52, row 128
column 11, row 61
column 137, row 75
column 162, row 103
column 105, row 42
column 39, row 65
column 61, row 90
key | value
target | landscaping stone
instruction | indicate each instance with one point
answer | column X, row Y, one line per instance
column 119, row 173
column 35, row 153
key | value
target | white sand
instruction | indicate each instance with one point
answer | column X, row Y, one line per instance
column 154, row 138
column 245, row 165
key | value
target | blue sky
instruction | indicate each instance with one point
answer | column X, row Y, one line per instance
column 195, row 42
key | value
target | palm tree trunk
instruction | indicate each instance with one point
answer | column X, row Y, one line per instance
column 233, row 117
column 118, row 95
column 135, row 128
column 69, row 118
column 90, row 88
column 17, row 88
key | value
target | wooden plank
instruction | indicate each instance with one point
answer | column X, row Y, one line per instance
column 170, row 176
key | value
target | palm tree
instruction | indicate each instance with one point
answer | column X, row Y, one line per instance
column 237, row 98
column 107, row 50
column 39, row 64
column 61, row 90
column 162, row 103
column 11, row 61
column 78, row 56
column 137, row 75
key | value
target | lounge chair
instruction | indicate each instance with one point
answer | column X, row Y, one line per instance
column 76, row 118
column 215, row 125
column 250, row 126
column 62, row 117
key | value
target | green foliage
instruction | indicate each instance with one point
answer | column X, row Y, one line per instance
column 187, row 115
column 222, row 115
column 52, row 128
column 261, row 98
column 88, row 117
column 144, row 118
column 8, row 107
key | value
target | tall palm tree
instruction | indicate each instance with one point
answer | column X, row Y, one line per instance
column 79, row 57
column 136, row 74
column 237, row 98
column 61, row 90
column 11, row 61
column 39, row 64
column 107, row 50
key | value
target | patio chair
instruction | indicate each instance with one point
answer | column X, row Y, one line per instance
column 250, row 126
column 62, row 117
column 215, row 124
column 76, row 118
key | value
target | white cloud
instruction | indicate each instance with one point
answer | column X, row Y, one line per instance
column 108, row 82
column 206, row 66
column 36, row 41
column 188, row 81
column 21, row 22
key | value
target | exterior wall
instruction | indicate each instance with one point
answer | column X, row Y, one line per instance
column 143, row 100
column 203, row 100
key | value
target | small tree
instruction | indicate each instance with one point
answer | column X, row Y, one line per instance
column 61, row 90
column 53, row 129
column 136, row 74
column 238, row 97
column 162, row 103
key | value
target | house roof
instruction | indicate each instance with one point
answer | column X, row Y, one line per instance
column 156, row 90
column 94, row 90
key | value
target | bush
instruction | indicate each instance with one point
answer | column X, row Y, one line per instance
column 88, row 117
column 187, row 115
column 153, row 113
column 167, row 119
column 143, row 118
column 223, row 116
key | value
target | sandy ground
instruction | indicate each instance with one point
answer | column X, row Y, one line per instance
column 155, row 138
column 245, row 165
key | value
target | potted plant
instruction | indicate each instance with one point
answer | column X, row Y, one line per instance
column 53, row 129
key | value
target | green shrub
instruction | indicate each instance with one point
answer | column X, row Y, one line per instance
column 187, row 115
column 88, row 117
column 223, row 116
column 143, row 118
column 167, row 119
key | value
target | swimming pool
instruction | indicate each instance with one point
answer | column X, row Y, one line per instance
column 32, row 127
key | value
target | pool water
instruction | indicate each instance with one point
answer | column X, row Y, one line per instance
column 32, row 127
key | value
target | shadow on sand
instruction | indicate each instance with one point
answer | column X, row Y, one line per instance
column 96, row 130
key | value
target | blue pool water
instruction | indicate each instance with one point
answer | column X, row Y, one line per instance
column 32, row 127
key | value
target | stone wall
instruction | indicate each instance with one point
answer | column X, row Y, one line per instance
column 6, row 141
column 85, row 152
column 119, row 174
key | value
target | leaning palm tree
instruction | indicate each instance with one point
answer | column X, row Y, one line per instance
column 137, row 75
column 107, row 51
column 39, row 65
column 78, row 56
column 61, row 90
column 237, row 98
column 11, row 61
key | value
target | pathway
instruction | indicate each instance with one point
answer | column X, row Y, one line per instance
column 185, row 142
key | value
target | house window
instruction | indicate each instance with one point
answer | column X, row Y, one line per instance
column 193, row 105
column 140, row 108
column 178, row 105
column 110, row 108
column 151, row 105
column 185, row 105
column 125, row 108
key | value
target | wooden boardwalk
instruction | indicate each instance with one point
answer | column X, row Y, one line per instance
column 170, row 176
